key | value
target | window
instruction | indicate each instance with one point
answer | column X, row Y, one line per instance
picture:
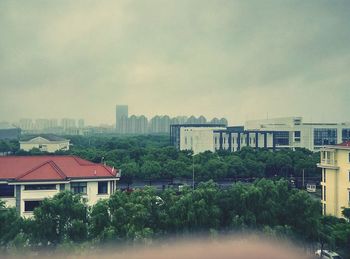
column 7, row 190
column 324, row 175
column 281, row 138
column 345, row 135
column 185, row 140
column 349, row 158
column 29, row 206
column 102, row 187
column 78, row 187
column 324, row 136
column 349, row 176
column 34, row 187
column 324, row 193
column 296, row 136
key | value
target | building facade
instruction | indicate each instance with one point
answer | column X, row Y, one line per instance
column 335, row 165
column 45, row 142
column 273, row 134
column 25, row 181
column 312, row 136
column 196, row 137
column 121, row 118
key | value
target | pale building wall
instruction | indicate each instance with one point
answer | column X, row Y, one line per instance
column 34, row 195
column 92, row 195
column 335, row 180
column 9, row 202
column 48, row 147
column 197, row 139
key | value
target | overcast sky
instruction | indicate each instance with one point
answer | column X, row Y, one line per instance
column 235, row 59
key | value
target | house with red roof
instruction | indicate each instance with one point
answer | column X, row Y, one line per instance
column 26, row 180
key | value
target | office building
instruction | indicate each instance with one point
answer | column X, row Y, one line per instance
column 335, row 165
column 275, row 134
column 311, row 136
column 195, row 137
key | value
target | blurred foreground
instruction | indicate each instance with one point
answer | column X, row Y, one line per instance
column 242, row 248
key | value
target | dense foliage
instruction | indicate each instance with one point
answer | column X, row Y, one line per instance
column 268, row 206
column 151, row 158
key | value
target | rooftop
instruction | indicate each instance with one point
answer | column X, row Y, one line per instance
column 51, row 168
column 49, row 137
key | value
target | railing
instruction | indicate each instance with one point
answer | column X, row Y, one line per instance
column 329, row 161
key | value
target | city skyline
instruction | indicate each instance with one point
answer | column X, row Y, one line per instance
column 235, row 59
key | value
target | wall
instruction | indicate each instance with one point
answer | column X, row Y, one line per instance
column 49, row 147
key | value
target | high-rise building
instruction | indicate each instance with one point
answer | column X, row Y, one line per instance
column 26, row 124
column 68, row 123
column 121, row 113
column 41, row 124
column 81, row 123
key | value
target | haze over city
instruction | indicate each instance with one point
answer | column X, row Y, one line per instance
column 235, row 59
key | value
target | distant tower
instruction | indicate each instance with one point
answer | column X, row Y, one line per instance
column 121, row 113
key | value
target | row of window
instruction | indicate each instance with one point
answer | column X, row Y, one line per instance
column 78, row 187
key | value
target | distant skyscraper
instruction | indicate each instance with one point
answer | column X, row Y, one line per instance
column 81, row 123
column 26, row 124
column 121, row 113
column 68, row 123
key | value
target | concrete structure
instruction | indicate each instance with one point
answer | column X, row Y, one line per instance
column 195, row 137
column 312, row 136
column 26, row 181
column 335, row 165
column 274, row 134
column 45, row 142
column 121, row 117
column 68, row 123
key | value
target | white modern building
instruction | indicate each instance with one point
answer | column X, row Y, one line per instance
column 45, row 142
column 335, row 165
column 26, row 180
column 312, row 136
column 278, row 133
column 195, row 137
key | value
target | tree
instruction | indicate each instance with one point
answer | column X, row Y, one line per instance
column 10, row 224
column 151, row 170
column 63, row 217
column 129, row 172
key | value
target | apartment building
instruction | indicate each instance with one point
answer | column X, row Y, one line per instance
column 26, row 180
column 335, row 165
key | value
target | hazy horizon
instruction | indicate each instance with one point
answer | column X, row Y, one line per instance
column 240, row 60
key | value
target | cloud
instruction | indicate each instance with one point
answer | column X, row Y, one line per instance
column 239, row 59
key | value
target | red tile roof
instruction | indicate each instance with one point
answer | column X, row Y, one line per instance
column 345, row 144
column 41, row 168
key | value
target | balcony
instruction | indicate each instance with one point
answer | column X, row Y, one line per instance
column 328, row 163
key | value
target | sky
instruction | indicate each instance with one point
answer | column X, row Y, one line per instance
column 241, row 60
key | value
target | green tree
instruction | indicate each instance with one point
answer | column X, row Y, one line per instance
column 63, row 217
